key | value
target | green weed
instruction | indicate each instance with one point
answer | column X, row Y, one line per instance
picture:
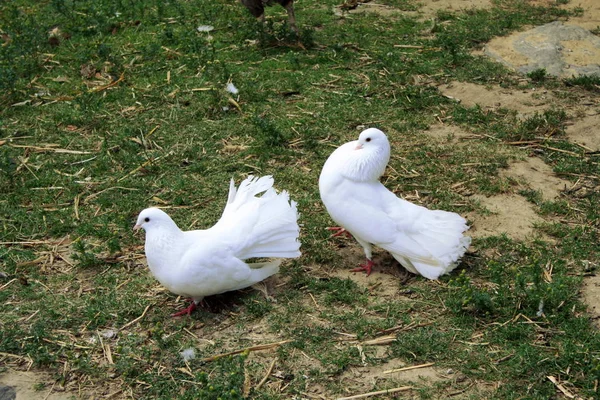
column 109, row 107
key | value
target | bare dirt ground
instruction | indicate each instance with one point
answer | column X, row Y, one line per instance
column 429, row 8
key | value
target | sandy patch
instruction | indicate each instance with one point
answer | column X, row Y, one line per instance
column 580, row 53
column 24, row 384
column 430, row 8
column 456, row 385
column 525, row 102
column 590, row 19
column 387, row 275
column 447, row 133
column 427, row 8
column 535, row 174
column 586, row 132
column 372, row 376
column 380, row 284
column 591, row 296
column 511, row 214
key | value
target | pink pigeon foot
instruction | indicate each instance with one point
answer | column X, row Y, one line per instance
column 339, row 231
column 185, row 311
column 367, row 267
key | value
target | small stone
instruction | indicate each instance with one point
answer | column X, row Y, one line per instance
column 7, row 393
column 562, row 50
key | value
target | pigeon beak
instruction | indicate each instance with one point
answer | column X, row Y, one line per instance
column 137, row 227
column 358, row 146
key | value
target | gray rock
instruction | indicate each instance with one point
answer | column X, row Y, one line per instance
column 7, row 393
column 562, row 50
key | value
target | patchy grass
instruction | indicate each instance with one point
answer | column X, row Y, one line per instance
column 109, row 107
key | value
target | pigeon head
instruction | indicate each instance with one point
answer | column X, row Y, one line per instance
column 372, row 138
column 366, row 158
column 153, row 218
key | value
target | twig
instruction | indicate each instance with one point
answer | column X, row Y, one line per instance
column 247, row 383
column 403, row 328
column 54, row 149
column 560, row 387
column 192, row 334
column 247, row 349
column 31, row 316
column 559, row 150
column 186, row 371
column 152, row 131
column 106, row 350
column 506, row 357
column 388, row 391
column 50, row 392
column 2, row 354
column 93, row 195
column 234, row 103
column 84, row 161
column 380, row 340
column 127, row 325
column 148, row 162
column 6, row 284
column 104, row 87
column 264, row 379
column 313, row 299
column 170, row 51
column 389, row 371
column 76, row 206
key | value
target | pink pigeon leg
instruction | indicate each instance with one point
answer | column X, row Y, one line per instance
column 367, row 267
column 339, row 231
column 187, row 310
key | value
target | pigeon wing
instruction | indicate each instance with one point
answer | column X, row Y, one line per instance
column 208, row 270
column 373, row 224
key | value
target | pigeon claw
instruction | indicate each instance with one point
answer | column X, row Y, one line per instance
column 367, row 267
column 185, row 311
column 339, row 231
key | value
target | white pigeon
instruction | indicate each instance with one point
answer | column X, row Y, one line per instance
column 425, row 242
column 201, row 263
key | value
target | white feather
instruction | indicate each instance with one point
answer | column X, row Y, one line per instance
column 231, row 88
column 188, row 354
column 425, row 242
column 206, row 262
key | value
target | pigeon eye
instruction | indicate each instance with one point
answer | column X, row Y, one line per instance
column 368, row 139
column 146, row 219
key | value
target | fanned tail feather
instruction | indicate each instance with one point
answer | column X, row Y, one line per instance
column 443, row 238
column 264, row 226
column 275, row 234
column 248, row 189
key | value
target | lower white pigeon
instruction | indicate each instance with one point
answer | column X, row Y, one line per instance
column 201, row 263
column 425, row 242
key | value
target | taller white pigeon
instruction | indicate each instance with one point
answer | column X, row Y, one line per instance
column 425, row 242
column 201, row 263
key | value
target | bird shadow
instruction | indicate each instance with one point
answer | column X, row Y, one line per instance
column 224, row 303
column 384, row 262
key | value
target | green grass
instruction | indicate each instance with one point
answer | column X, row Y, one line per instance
column 137, row 97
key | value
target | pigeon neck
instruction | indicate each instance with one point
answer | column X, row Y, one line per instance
column 367, row 164
column 161, row 244
column 163, row 236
